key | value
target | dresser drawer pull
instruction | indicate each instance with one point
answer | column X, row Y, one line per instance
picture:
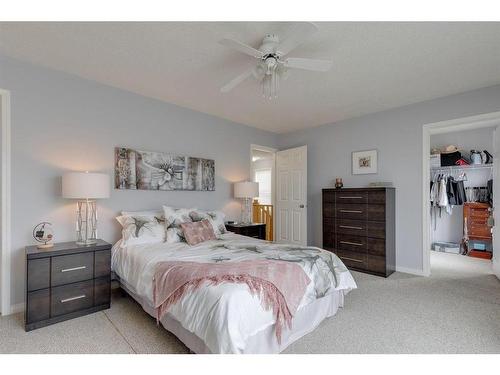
column 349, row 227
column 352, row 259
column 346, row 197
column 352, row 211
column 352, row 243
column 73, row 298
column 74, row 269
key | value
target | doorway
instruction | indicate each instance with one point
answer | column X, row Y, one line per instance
column 439, row 131
column 262, row 170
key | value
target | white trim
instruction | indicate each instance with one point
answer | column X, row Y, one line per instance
column 410, row 271
column 5, row 219
column 465, row 123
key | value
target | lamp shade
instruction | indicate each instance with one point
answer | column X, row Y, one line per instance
column 246, row 189
column 85, row 185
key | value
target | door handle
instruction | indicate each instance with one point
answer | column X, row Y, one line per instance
column 301, row 206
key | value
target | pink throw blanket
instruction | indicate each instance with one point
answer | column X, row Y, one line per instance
column 280, row 285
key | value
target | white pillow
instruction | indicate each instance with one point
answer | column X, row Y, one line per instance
column 141, row 229
column 216, row 218
column 174, row 217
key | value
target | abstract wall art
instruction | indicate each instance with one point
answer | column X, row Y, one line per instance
column 148, row 170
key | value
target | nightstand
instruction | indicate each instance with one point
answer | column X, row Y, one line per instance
column 255, row 230
column 66, row 281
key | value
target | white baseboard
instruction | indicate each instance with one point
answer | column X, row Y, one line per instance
column 14, row 309
column 411, row 271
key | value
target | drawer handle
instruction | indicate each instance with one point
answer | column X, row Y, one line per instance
column 352, row 211
column 345, row 197
column 350, row 227
column 352, row 259
column 73, row 298
column 73, row 269
column 351, row 243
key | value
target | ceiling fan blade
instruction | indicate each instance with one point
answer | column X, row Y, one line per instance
column 241, row 47
column 297, row 36
column 308, row 64
column 237, row 80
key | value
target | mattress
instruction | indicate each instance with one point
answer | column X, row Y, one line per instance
column 227, row 318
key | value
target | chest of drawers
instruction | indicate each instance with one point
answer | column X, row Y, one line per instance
column 476, row 220
column 66, row 281
column 359, row 226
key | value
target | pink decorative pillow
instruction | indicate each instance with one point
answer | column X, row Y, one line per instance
column 198, row 231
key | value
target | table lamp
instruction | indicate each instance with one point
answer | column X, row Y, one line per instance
column 86, row 187
column 246, row 190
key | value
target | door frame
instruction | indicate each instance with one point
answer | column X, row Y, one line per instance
column 5, row 218
column 485, row 120
column 273, row 151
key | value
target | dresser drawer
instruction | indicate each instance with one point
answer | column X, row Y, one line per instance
column 102, row 263
column 376, row 264
column 352, row 258
column 329, row 196
column 375, row 246
column 375, row 229
column 351, row 211
column 353, row 227
column 38, row 305
column 72, row 268
column 351, row 243
column 329, row 210
column 376, row 197
column 102, row 291
column 38, row 276
column 356, row 197
column 375, row 212
column 73, row 297
column 328, row 233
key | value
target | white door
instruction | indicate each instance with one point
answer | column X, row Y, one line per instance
column 496, row 202
column 291, row 202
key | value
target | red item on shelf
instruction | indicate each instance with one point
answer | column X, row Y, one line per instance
column 462, row 161
column 480, row 254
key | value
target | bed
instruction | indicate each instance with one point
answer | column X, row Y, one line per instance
column 227, row 318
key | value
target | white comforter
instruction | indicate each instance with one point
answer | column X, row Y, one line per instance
column 224, row 316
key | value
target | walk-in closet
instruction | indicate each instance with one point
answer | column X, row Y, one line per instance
column 461, row 193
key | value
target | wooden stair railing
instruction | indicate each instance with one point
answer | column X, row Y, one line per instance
column 263, row 213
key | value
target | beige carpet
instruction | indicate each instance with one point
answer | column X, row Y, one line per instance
column 456, row 310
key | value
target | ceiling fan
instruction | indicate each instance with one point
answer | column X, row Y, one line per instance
column 272, row 63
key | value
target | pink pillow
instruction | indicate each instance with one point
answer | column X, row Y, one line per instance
column 198, row 231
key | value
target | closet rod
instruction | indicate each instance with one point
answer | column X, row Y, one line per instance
column 462, row 167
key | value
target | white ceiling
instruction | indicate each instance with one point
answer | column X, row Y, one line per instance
column 377, row 66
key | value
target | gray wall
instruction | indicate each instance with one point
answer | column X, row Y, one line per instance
column 449, row 228
column 62, row 123
column 397, row 135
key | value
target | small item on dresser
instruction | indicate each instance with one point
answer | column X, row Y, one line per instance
column 338, row 183
column 44, row 234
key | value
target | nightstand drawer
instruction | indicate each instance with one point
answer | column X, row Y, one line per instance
column 38, row 305
column 72, row 268
column 68, row 298
column 102, row 291
column 38, row 274
column 102, row 263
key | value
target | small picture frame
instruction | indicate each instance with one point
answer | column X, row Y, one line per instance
column 364, row 162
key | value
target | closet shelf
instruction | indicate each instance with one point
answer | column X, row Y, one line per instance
column 463, row 167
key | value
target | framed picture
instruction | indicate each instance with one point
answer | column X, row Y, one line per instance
column 364, row 162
